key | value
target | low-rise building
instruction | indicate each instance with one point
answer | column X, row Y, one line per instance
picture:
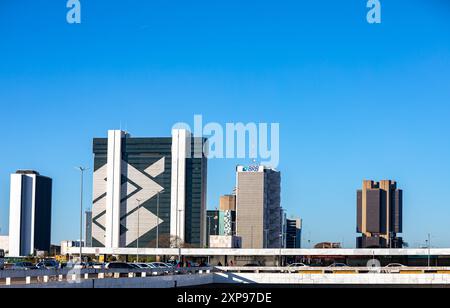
column 223, row 241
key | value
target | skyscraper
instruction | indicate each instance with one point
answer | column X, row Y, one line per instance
column 258, row 207
column 30, row 217
column 149, row 192
column 228, row 203
column 294, row 233
column 379, row 215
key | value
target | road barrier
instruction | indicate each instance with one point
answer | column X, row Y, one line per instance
column 178, row 277
column 336, row 270
column 46, row 276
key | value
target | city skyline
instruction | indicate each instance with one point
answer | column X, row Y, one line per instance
column 354, row 101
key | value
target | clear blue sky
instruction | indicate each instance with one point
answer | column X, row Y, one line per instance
column 354, row 101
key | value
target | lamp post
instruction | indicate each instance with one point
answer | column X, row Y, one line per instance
column 82, row 170
column 429, row 249
column 281, row 247
column 209, row 231
column 157, row 221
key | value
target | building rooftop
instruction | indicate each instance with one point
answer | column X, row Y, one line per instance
column 27, row 172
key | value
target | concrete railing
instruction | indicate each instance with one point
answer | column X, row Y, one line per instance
column 184, row 277
column 337, row 270
column 46, row 276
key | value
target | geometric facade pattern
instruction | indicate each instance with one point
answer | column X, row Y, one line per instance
column 228, row 223
column 140, row 210
column 145, row 192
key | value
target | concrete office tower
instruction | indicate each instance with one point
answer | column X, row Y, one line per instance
column 294, row 233
column 149, row 192
column 379, row 215
column 258, row 207
column 30, row 217
column 228, row 203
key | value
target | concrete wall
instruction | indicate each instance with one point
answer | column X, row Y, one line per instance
column 252, row 278
column 148, row 282
column 338, row 279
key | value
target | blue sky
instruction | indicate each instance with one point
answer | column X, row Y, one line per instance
column 354, row 101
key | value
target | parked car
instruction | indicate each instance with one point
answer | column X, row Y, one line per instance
column 48, row 264
column 172, row 263
column 95, row 265
column 119, row 265
column 142, row 265
column 73, row 265
column 159, row 265
column 393, row 268
column 24, row 266
column 292, row 267
column 297, row 265
column 394, row 265
column 251, row 265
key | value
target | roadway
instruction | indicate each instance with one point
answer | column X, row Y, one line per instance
column 163, row 278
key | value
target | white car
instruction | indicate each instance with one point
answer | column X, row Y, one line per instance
column 393, row 268
column 292, row 267
column 394, row 265
column 159, row 265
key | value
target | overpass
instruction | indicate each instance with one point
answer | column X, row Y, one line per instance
column 212, row 252
column 221, row 276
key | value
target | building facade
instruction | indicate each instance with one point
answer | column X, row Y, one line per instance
column 88, row 228
column 149, row 192
column 30, row 217
column 294, row 233
column 379, row 215
column 228, row 203
column 213, row 225
column 259, row 217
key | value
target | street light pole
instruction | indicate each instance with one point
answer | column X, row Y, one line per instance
column 281, row 247
column 209, row 231
column 82, row 170
column 429, row 249
column 157, row 221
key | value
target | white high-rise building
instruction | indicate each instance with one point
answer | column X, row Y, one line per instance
column 259, row 216
column 30, row 213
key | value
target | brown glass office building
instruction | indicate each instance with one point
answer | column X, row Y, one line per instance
column 379, row 215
